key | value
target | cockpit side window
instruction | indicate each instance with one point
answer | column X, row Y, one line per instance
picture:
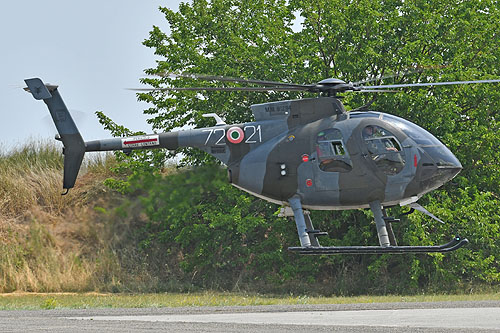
column 331, row 151
column 384, row 149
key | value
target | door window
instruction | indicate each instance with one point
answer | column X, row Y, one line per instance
column 384, row 149
column 331, row 152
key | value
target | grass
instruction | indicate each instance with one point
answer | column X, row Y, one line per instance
column 48, row 242
column 30, row 177
column 35, row 301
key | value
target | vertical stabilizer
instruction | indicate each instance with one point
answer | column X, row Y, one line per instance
column 74, row 146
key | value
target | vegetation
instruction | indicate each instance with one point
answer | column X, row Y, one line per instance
column 193, row 228
column 189, row 230
column 50, row 242
column 34, row 301
column 202, row 231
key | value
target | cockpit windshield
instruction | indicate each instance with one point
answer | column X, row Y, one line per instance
column 415, row 132
column 434, row 148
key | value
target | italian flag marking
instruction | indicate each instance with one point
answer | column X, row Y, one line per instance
column 235, row 135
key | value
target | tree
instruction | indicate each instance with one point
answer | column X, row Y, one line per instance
column 357, row 41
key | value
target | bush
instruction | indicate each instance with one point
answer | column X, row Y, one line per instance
column 200, row 232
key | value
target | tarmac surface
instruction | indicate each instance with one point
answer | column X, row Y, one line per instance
column 479, row 316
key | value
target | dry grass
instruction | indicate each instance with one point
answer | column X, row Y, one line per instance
column 38, row 264
column 30, row 177
column 49, row 242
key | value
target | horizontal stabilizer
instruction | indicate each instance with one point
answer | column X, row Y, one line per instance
column 37, row 88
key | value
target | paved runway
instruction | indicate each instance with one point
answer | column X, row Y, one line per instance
column 450, row 317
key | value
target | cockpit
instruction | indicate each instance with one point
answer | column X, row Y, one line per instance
column 384, row 149
column 435, row 163
column 438, row 152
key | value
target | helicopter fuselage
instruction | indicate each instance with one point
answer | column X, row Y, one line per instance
column 313, row 148
column 333, row 163
column 310, row 149
column 306, row 153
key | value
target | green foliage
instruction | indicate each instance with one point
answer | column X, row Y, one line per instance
column 216, row 231
column 251, row 39
column 222, row 237
column 49, row 304
column 130, row 164
column 202, row 232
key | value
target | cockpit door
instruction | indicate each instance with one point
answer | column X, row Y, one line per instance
column 382, row 150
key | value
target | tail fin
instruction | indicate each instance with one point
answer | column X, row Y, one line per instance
column 74, row 146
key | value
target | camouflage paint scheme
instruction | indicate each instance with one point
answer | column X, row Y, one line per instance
column 285, row 131
column 276, row 157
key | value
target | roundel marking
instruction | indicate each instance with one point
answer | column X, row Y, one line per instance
column 235, row 135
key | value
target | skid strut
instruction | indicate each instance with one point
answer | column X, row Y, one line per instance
column 383, row 235
column 307, row 234
column 298, row 213
column 388, row 224
column 310, row 244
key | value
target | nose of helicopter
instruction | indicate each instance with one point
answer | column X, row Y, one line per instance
column 437, row 164
column 447, row 165
column 449, row 172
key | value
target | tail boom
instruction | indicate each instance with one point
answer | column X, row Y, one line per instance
column 168, row 140
column 75, row 147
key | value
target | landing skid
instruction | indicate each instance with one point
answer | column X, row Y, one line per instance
column 309, row 242
column 453, row 245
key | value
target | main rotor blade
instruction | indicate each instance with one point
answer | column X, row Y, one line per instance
column 413, row 70
column 258, row 89
column 380, row 78
column 429, row 84
column 234, row 79
column 377, row 91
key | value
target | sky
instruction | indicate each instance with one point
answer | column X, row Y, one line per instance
column 92, row 49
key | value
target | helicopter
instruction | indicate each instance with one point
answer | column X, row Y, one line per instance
column 303, row 154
